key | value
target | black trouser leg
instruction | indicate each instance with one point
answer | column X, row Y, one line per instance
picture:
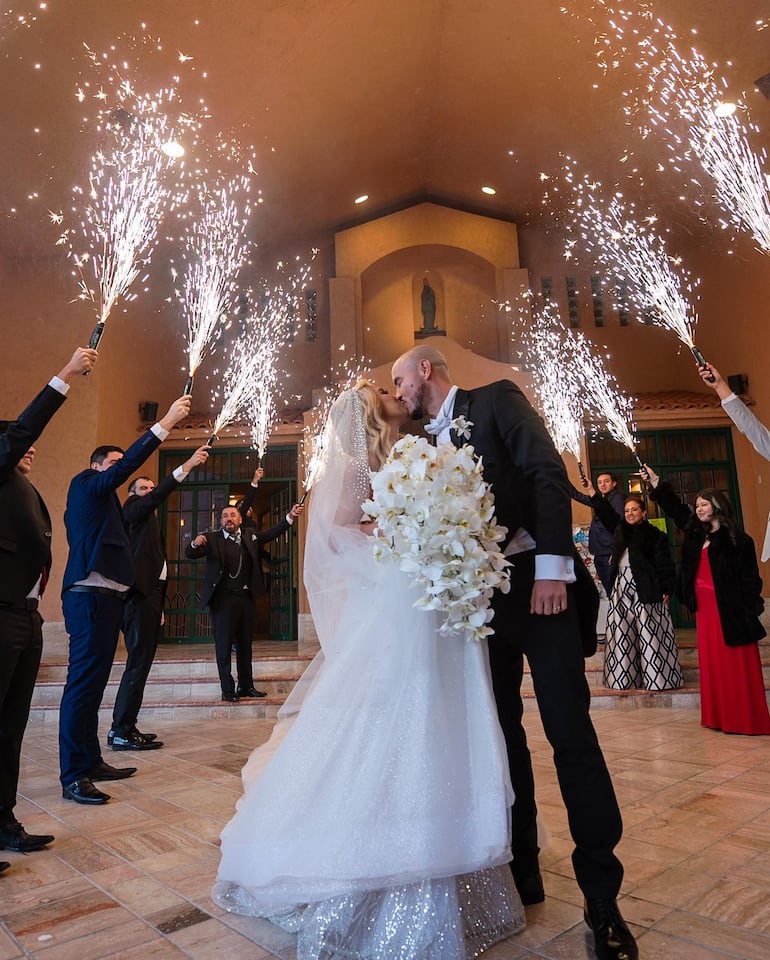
column 141, row 630
column 21, row 646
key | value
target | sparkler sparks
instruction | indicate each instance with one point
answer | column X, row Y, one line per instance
column 635, row 252
column 123, row 204
column 556, row 380
column 277, row 308
column 685, row 100
column 214, row 250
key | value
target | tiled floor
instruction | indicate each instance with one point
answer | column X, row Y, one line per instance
column 131, row 880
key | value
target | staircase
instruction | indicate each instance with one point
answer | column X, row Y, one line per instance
column 183, row 683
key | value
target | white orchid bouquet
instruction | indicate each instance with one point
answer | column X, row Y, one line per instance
column 436, row 516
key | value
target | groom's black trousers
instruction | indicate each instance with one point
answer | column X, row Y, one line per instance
column 553, row 648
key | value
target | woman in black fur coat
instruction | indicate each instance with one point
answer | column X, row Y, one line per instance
column 719, row 582
column 640, row 649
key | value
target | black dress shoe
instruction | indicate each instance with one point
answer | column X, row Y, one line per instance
column 251, row 692
column 612, row 938
column 134, row 742
column 144, row 736
column 105, row 772
column 83, row 791
column 231, row 697
column 14, row 837
column 4, row 865
column 530, row 888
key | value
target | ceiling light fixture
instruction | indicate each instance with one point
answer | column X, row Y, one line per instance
column 172, row 149
column 362, row 199
column 490, row 191
column 725, row 109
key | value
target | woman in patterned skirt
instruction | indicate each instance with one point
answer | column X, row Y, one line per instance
column 640, row 650
column 719, row 582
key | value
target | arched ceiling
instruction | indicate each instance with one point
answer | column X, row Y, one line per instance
column 403, row 100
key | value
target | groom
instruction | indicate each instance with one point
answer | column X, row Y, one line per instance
column 539, row 619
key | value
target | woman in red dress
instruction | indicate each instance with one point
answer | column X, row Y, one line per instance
column 719, row 581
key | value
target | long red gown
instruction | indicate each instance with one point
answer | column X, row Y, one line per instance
column 732, row 690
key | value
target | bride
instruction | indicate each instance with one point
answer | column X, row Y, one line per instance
column 375, row 821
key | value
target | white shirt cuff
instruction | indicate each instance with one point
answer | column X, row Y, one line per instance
column 550, row 567
column 59, row 385
column 289, row 519
column 160, row 432
column 180, row 474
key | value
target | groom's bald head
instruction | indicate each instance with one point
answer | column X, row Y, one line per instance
column 421, row 378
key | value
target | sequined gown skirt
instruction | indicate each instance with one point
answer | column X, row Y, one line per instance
column 640, row 649
column 375, row 822
column 732, row 688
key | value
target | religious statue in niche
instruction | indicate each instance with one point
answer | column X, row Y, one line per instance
column 429, row 327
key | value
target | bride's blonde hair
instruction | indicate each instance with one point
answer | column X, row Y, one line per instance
column 378, row 435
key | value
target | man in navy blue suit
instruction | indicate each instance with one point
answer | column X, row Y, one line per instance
column 100, row 572
column 25, row 563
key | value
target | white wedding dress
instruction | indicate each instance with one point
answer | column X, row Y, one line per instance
column 375, row 821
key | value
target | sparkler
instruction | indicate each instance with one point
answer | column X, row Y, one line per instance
column 637, row 253
column 124, row 204
column 550, row 361
column 684, row 99
column 602, row 393
column 214, row 250
column 277, row 308
column 343, row 377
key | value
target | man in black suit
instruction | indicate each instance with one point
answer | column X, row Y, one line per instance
column 99, row 573
column 233, row 580
column 539, row 619
column 143, row 612
column 25, row 563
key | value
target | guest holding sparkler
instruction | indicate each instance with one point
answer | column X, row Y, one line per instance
column 600, row 538
column 143, row 613
column 540, row 617
column 640, row 651
column 25, row 564
column 246, row 503
column 754, row 431
column 233, row 580
column 99, row 574
column 719, row 582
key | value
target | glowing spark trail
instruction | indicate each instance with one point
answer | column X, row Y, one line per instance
column 602, row 394
column 636, row 253
column 123, row 206
column 277, row 310
column 685, row 100
column 239, row 381
column 214, row 249
column 556, row 380
column 689, row 91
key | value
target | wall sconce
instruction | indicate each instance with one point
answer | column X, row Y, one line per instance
column 148, row 411
column 738, row 383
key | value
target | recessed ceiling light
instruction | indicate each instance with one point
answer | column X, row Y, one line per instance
column 725, row 109
column 172, row 149
column 490, row 191
column 362, row 199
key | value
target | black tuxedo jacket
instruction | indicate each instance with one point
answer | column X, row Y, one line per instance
column 144, row 533
column 530, row 485
column 527, row 474
column 25, row 526
column 214, row 551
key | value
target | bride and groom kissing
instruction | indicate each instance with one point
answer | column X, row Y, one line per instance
column 379, row 819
